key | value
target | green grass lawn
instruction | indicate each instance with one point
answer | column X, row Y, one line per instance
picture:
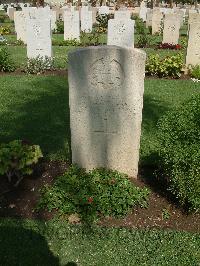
column 36, row 108
column 24, row 242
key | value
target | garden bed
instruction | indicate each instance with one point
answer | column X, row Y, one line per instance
column 162, row 212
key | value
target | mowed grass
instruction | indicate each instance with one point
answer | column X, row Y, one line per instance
column 36, row 108
column 24, row 242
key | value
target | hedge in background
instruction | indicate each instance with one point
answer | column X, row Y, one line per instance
column 179, row 134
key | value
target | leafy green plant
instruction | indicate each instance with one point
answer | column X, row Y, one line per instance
column 179, row 136
column 140, row 27
column 17, row 159
column 59, row 27
column 90, row 39
column 143, row 40
column 103, row 20
column 39, row 65
column 5, row 30
column 170, row 66
column 19, row 42
column 183, row 42
column 195, row 72
column 165, row 214
column 99, row 192
column 3, row 18
column 6, row 64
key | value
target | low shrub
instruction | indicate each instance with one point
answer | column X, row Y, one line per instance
column 39, row 65
column 6, row 64
column 17, row 159
column 5, row 30
column 140, row 27
column 3, row 18
column 183, row 42
column 91, row 195
column 59, row 27
column 103, row 20
column 90, row 39
column 179, row 151
column 195, row 72
column 19, row 43
column 170, row 66
column 143, row 40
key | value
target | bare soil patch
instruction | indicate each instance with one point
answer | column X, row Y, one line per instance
column 22, row 201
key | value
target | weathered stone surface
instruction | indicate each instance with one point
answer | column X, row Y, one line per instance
column 156, row 21
column 71, row 25
column 20, row 25
column 193, row 49
column 106, row 87
column 149, row 17
column 122, row 15
column 104, row 10
column 193, row 18
column 121, row 32
column 171, row 29
column 38, row 32
column 143, row 11
column 10, row 12
column 86, row 19
column 53, row 20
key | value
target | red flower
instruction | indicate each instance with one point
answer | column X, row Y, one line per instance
column 113, row 181
column 90, row 200
column 178, row 46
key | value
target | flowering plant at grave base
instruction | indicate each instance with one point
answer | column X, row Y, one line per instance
column 169, row 46
column 195, row 80
column 170, row 66
column 92, row 195
column 194, row 72
column 39, row 65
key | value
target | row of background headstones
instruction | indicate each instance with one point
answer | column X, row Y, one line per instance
column 120, row 29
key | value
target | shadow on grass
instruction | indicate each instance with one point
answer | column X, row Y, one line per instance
column 153, row 110
column 39, row 114
column 19, row 246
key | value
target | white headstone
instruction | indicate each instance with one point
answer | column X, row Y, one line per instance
column 104, row 10
column 106, row 86
column 149, row 18
column 20, row 25
column 53, row 20
column 86, row 20
column 193, row 49
column 121, row 32
column 71, row 25
column 121, row 15
column 171, row 29
column 193, row 18
column 156, row 21
column 38, row 33
column 143, row 12
column 10, row 12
